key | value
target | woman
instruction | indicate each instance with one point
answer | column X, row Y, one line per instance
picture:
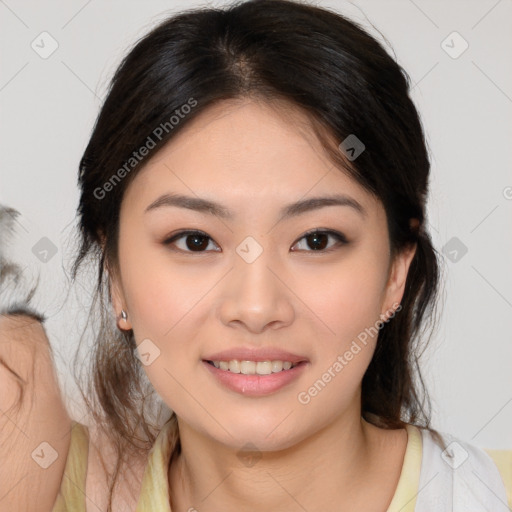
column 254, row 193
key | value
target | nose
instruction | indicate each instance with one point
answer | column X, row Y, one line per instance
column 255, row 296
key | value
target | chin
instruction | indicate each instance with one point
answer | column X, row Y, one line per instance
column 261, row 436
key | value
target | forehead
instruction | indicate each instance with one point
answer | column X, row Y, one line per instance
column 248, row 151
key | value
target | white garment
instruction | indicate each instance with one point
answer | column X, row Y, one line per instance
column 462, row 478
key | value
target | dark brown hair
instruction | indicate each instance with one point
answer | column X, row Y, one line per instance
column 316, row 61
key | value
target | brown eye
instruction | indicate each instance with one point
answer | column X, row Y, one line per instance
column 198, row 241
column 195, row 241
column 318, row 240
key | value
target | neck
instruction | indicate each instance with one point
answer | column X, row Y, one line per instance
column 323, row 471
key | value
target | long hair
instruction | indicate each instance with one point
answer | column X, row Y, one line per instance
column 318, row 62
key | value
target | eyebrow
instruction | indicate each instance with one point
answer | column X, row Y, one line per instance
column 291, row 210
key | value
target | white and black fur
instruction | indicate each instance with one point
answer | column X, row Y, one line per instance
column 16, row 292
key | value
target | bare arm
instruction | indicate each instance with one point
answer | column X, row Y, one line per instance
column 34, row 423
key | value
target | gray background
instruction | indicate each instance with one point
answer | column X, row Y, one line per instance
column 48, row 107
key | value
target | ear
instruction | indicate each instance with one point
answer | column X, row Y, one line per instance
column 117, row 296
column 398, row 272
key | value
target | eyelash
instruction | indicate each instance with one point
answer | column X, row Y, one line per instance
column 340, row 237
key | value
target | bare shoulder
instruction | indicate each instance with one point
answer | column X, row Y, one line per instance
column 101, row 462
column 35, row 428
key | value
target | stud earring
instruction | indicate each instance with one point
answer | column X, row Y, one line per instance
column 123, row 316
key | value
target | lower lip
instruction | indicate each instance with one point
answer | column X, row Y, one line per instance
column 256, row 385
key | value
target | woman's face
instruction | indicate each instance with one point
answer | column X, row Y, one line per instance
column 253, row 281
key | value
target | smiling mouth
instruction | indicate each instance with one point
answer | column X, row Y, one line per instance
column 254, row 367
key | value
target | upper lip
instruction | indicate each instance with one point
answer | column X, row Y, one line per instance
column 251, row 354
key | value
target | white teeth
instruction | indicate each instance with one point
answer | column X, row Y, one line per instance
column 248, row 367
column 263, row 367
column 234, row 366
column 277, row 366
column 253, row 367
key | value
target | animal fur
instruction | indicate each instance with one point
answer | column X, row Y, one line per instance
column 15, row 293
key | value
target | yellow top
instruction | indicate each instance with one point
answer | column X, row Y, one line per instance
column 503, row 460
column 154, row 493
column 72, row 488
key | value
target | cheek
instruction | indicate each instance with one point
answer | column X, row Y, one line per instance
column 165, row 304
column 346, row 297
column 158, row 293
